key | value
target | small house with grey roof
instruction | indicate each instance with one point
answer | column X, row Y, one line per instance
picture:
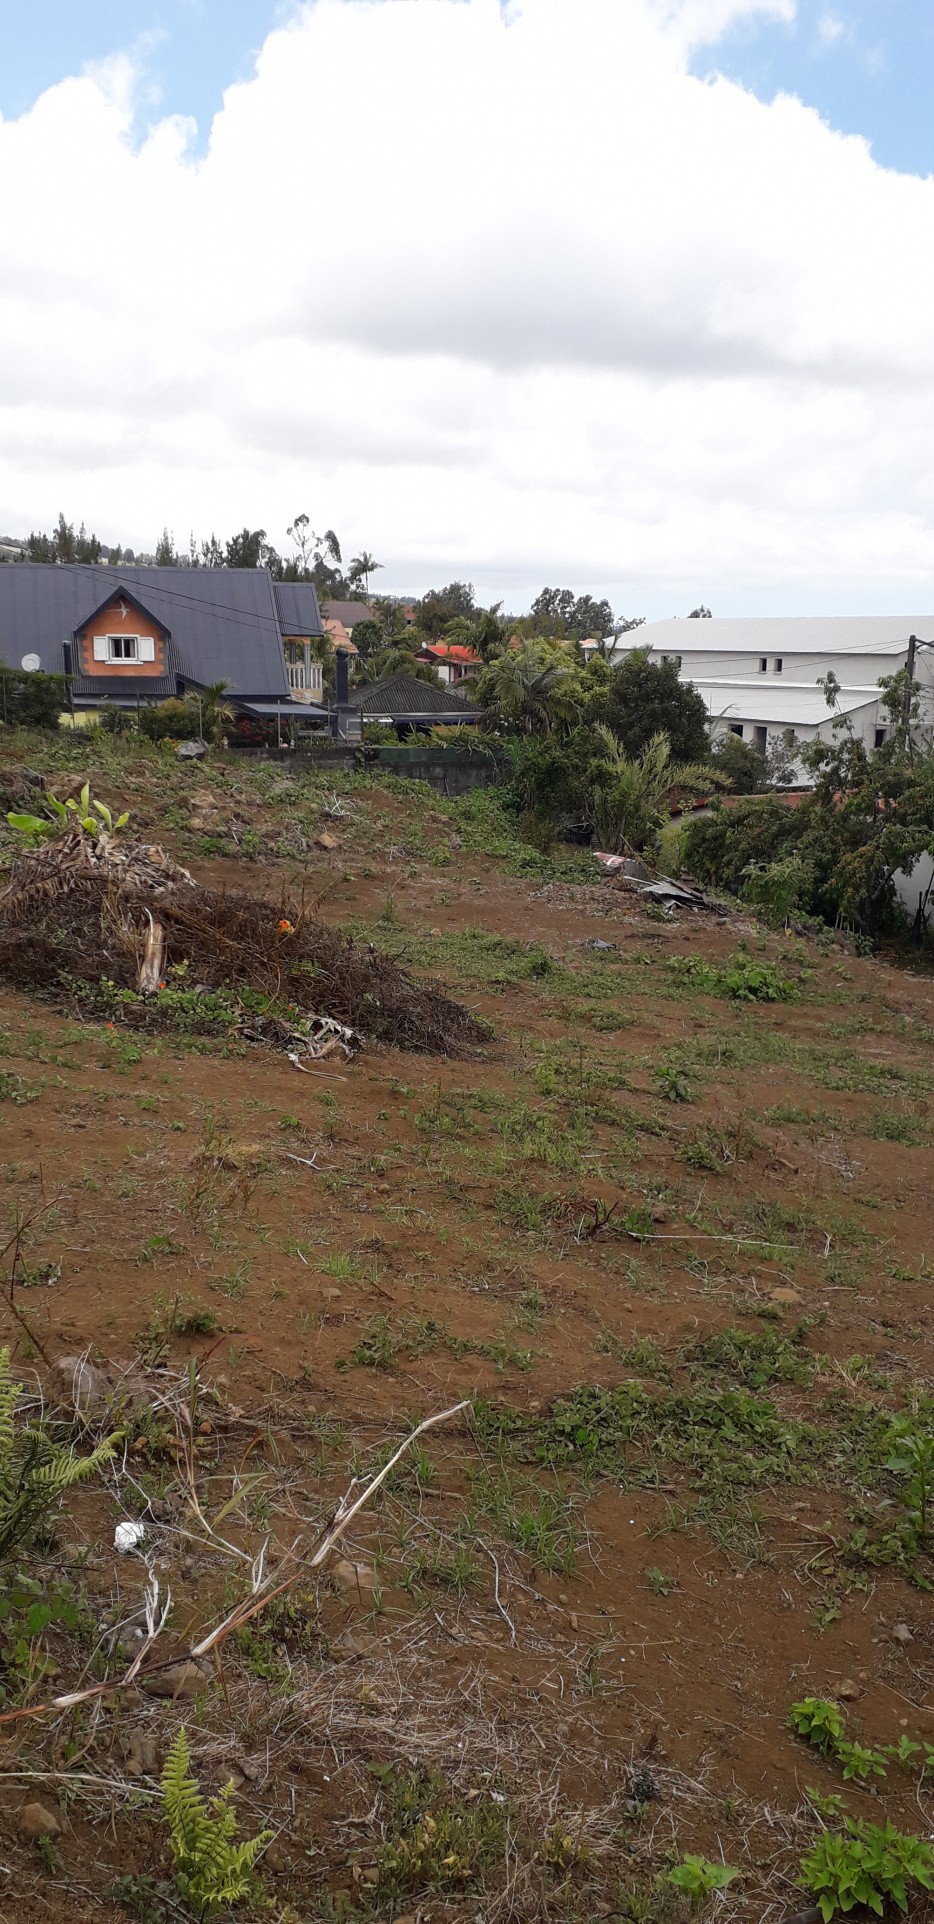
column 129, row 635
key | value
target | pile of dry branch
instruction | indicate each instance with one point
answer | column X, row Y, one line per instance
column 78, row 912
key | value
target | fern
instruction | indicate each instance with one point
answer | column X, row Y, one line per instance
column 35, row 1471
column 210, row 1869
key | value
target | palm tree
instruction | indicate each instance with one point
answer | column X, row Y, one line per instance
column 366, row 565
column 399, row 661
column 532, row 691
column 215, row 711
column 629, row 796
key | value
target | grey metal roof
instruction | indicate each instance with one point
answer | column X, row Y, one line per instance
column 405, row 698
column 784, row 634
column 780, row 704
column 223, row 622
column 297, row 605
column 123, row 690
column 289, row 710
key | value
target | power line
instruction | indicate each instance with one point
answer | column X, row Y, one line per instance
column 245, row 618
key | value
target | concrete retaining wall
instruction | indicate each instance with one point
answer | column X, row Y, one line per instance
column 451, row 771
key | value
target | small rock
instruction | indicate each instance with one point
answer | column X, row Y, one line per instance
column 660, row 1214
column 179, row 1680
column 901, row 1633
column 332, row 1295
column 353, row 1645
column 94, row 1390
column 847, row 1691
column 36, row 1821
column 324, row 840
column 435, row 933
column 785, row 1296
column 353, row 1577
column 142, row 1755
column 572, row 1619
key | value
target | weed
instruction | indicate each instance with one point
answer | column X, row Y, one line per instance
column 35, row 1471
column 859, row 1762
column 433, row 1839
column 158, row 1245
column 819, row 1722
column 698, row 1878
column 150, row 1900
column 448, row 1569
column 866, row 1864
column 912, row 1456
column 660, row 1584
column 741, row 980
column 758, row 1360
column 210, row 1869
column 377, row 1349
column 673, row 1084
column 15, row 1089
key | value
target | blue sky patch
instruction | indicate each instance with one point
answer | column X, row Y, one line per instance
column 191, row 49
column 866, row 65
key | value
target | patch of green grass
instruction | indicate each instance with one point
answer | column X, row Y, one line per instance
column 757, row 1360
column 433, row 1838
column 741, row 979
column 16, row 1089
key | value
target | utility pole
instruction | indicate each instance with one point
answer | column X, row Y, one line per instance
column 908, row 691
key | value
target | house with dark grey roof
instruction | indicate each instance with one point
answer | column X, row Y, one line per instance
column 406, row 703
column 128, row 635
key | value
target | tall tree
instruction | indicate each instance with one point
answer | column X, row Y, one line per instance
column 560, row 613
column 643, row 698
column 364, row 564
column 245, row 550
column 165, row 555
column 442, row 605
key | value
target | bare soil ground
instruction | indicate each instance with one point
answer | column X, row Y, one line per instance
column 672, row 1246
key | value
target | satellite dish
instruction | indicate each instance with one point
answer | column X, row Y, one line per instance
column 30, row 663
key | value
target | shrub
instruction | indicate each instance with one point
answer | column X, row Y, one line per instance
column 32, row 701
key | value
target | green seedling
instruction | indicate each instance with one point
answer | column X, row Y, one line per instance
column 819, row 1722
column 698, row 1877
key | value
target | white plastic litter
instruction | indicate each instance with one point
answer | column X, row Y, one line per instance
column 127, row 1536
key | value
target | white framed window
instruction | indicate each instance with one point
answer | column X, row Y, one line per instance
column 736, row 728
column 124, row 648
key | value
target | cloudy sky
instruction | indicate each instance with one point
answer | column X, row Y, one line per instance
column 628, row 295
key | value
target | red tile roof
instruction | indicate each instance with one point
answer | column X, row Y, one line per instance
column 451, row 651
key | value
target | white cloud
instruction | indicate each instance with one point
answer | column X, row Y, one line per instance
column 830, row 29
column 507, row 294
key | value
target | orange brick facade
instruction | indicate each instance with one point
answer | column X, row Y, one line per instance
column 111, row 621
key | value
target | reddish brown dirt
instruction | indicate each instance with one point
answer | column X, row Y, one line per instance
column 158, row 1177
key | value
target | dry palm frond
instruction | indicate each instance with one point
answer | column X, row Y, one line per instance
column 76, row 861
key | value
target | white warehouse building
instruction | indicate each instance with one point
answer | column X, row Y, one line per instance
column 759, row 677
